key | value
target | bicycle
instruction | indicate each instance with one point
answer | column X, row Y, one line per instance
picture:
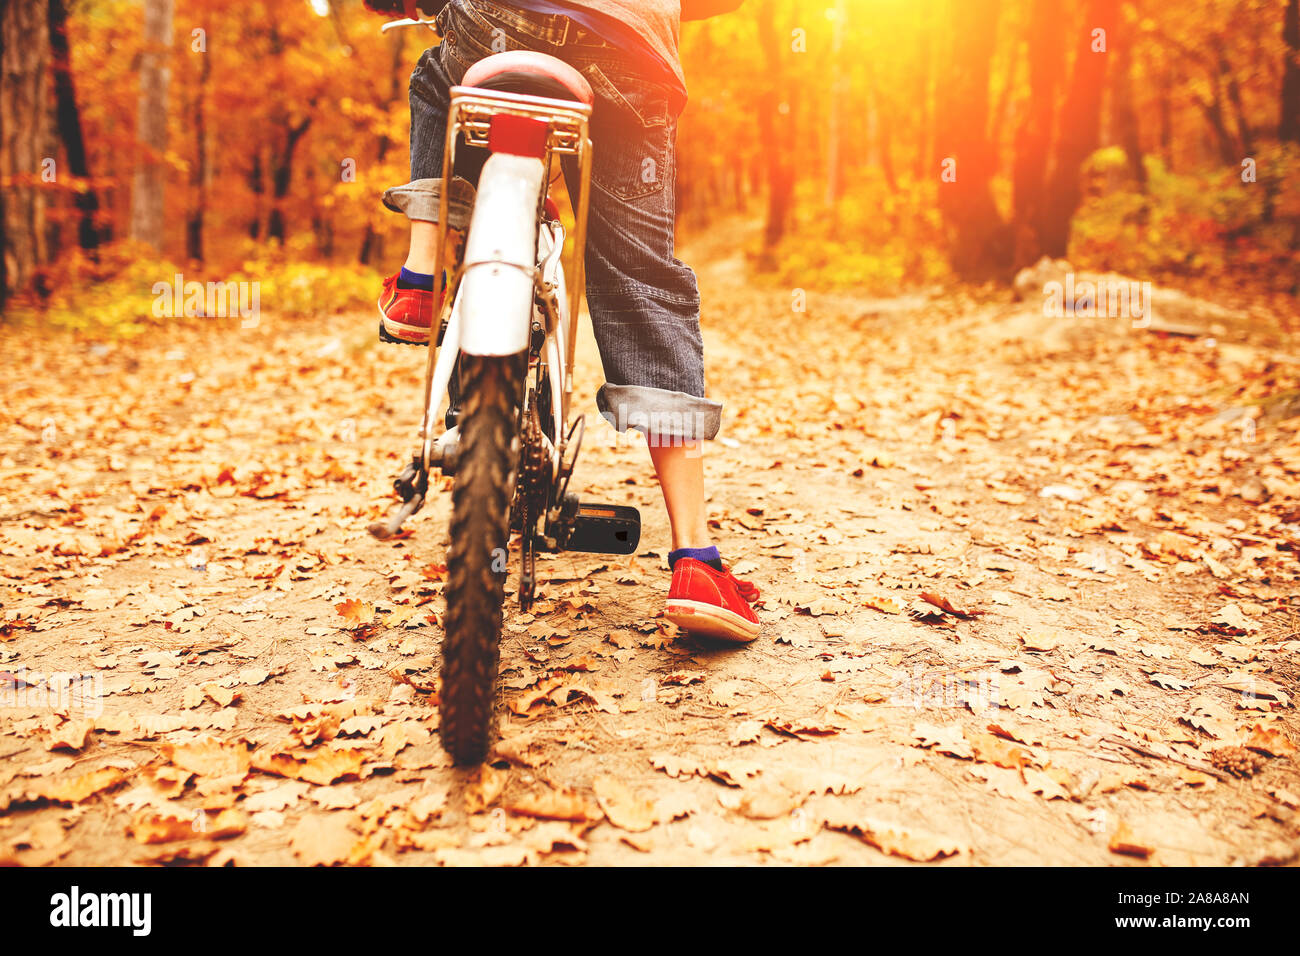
column 504, row 356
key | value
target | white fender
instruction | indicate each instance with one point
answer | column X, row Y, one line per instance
column 496, row 294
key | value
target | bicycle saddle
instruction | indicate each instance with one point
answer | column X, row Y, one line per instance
column 531, row 73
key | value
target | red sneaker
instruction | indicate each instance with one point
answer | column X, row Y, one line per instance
column 405, row 315
column 714, row 603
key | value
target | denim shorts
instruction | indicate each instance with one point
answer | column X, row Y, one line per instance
column 644, row 302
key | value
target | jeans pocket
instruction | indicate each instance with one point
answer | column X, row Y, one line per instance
column 467, row 37
column 632, row 132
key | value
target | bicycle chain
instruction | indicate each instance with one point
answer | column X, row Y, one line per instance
column 534, row 467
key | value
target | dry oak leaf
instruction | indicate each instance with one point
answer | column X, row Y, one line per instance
column 1194, row 778
column 946, row 606
column 728, row 693
column 911, row 844
column 624, row 809
column 397, row 737
column 485, row 789
column 1040, row 640
column 1268, row 740
column 677, row 766
column 221, row 696
column 277, row 798
column 356, row 613
column 428, row 806
column 322, row 767
column 77, row 789
column 172, row 854
column 426, row 840
column 316, row 730
column 554, row 804
column 768, row 804
column 163, row 826
column 802, row 729
column 1252, row 687
column 70, row 735
column 1052, row 782
column 359, row 726
column 1231, row 619
column 327, row 839
column 166, row 825
column 1208, row 717
column 557, row 836
column 881, row 602
column 675, row 806
column 555, row 690
column 818, row 782
column 209, row 757
column 1123, row 841
column 524, row 750
column 992, row 749
column 41, row 844
column 169, row 781
column 733, row 773
column 949, row 740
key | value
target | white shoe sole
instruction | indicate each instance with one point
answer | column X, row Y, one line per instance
column 711, row 621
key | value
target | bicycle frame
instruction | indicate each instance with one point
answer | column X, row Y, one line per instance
column 470, row 112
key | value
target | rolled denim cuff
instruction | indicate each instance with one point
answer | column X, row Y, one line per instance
column 663, row 416
column 419, row 199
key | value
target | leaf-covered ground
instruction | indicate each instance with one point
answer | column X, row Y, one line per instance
column 1029, row 583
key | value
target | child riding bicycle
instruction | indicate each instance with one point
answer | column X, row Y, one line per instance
column 644, row 303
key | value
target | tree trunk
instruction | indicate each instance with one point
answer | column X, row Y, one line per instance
column 147, row 209
column 1123, row 112
column 281, row 176
column 980, row 247
column 1080, row 129
column 1288, row 129
column 201, row 172
column 255, row 187
column 1167, row 118
column 774, row 128
column 26, row 137
column 1033, row 138
column 372, row 244
column 925, row 125
column 69, row 123
column 838, row 89
column 884, row 131
column 1229, row 151
column 1245, row 136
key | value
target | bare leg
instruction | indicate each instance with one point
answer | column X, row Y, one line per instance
column 424, row 239
column 681, row 477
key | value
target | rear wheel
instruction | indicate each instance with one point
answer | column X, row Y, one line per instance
column 476, row 561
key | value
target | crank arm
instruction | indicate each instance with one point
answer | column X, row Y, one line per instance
column 384, row 530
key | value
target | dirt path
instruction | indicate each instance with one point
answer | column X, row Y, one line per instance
column 182, row 538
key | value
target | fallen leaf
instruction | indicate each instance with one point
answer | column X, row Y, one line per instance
column 624, row 809
column 896, row 840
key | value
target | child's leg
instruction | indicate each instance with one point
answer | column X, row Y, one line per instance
column 420, row 257
column 680, row 469
column 424, row 239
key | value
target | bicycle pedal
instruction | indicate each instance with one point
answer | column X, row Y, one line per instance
column 605, row 529
column 384, row 336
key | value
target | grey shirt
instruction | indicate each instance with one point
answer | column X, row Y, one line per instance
column 657, row 21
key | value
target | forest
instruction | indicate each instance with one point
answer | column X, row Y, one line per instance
column 886, row 143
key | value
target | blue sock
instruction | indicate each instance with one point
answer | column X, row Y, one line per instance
column 406, row 279
column 710, row 556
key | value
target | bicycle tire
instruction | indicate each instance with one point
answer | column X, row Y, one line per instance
column 476, row 559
